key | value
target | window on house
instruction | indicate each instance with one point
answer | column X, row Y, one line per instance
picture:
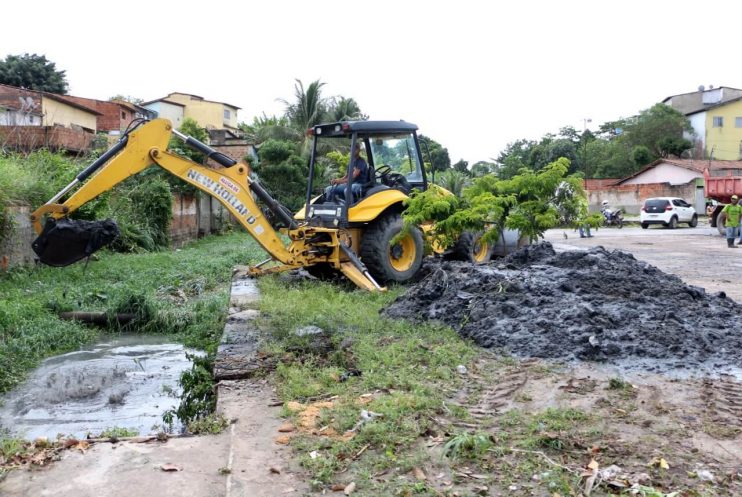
column 227, row 114
column 718, row 122
column 738, row 122
column 123, row 115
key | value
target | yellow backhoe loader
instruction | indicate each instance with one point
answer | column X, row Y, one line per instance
column 352, row 235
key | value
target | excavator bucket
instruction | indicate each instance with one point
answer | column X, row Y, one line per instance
column 65, row 241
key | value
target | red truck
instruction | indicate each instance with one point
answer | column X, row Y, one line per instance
column 720, row 185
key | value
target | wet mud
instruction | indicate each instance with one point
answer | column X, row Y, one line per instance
column 594, row 305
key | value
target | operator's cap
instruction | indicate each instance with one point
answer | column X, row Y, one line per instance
column 734, row 197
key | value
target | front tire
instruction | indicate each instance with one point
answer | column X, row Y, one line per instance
column 694, row 221
column 391, row 263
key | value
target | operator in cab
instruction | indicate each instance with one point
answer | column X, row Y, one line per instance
column 338, row 186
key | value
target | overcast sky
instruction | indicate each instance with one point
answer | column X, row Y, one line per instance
column 472, row 76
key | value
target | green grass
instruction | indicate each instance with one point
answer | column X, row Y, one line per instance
column 407, row 367
column 152, row 283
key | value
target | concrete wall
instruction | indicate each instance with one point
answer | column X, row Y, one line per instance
column 58, row 113
column 726, row 141
column 15, row 248
column 630, row 198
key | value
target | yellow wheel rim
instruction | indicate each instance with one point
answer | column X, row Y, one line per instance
column 402, row 254
column 481, row 249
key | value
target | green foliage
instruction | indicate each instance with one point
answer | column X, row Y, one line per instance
column 453, row 180
column 309, row 106
column 142, row 208
column 199, row 399
column 619, row 149
column 212, row 424
column 152, row 284
column 481, row 168
column 344, row 109
column 530, row 202
column 437, row 156
column 34, row 72
column 641, row 155
column 462, row 166
column 467, row 445
column 283, row 172
column 116, row 432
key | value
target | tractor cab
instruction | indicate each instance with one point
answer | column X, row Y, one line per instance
column 393, row 163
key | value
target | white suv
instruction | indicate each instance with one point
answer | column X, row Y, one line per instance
column 668, row 211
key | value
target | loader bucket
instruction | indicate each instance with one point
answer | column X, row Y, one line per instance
column 65, row 241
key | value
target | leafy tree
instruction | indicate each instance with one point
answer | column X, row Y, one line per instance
column 531, row 202
column 481, row 168
column 438, row 156
column 514, row 158
column 673, row 145
column 34, row 72
column 462, row 166
column 283, row 172
column 641, row 155
column 654, row 126
column 189, row 127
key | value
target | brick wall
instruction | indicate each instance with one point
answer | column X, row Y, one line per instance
column 236, row 152
column 28, row 138
column 630, row 198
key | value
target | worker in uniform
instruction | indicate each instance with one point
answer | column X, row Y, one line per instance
column 732, row 213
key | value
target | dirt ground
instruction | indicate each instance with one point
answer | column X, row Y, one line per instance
column 699, row 256
column 690, row 418
column 656, row 430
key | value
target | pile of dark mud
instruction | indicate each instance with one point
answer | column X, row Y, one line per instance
column 595, row 305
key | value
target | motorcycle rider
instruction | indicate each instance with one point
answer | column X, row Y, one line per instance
column 605, row 210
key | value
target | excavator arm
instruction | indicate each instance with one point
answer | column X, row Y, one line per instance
column 231, row 186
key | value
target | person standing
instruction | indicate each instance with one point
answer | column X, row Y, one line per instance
column 732, row 214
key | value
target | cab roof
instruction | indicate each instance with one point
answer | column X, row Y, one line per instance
column 346, row 128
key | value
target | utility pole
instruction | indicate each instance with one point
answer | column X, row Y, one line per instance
column 585, row 121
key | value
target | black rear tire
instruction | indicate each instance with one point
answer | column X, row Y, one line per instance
column 645, row 226
column 470, row 248
column 694, row 221
column 673, row 223
column 391, row 263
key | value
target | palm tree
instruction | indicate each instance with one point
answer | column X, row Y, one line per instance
column 309, row 108
column 345, row 109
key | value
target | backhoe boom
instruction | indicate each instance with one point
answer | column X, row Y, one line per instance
column 231, row 186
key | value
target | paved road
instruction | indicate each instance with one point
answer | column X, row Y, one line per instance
column 699, row 256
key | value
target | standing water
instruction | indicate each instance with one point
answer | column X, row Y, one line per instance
column 126, row 381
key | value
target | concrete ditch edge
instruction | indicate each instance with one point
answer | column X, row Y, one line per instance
column 236, row 357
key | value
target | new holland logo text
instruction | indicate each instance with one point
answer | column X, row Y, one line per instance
column 219, row 191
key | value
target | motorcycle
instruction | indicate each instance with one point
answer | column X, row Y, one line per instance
column 612, row 218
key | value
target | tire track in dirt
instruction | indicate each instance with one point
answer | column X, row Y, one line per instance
column 722, row 399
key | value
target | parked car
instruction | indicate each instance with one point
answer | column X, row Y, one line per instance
column 668, row 211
